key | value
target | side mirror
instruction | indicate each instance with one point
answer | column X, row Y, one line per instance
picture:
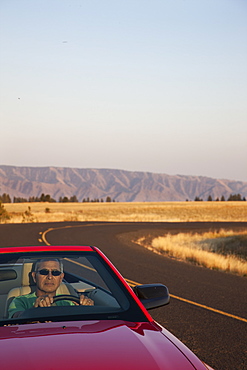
column 152, row 295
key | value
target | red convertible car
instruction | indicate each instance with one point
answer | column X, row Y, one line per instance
column 69, row 307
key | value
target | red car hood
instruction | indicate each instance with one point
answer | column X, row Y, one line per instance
column 92, row 345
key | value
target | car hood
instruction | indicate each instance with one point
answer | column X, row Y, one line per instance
column 90, row 345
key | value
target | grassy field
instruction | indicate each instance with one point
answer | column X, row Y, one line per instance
column 223, row 251
column 149, row 212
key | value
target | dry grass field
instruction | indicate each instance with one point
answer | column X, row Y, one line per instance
column 133, row 212
column 223, row 251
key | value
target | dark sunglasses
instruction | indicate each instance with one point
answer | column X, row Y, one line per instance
column 46, row 272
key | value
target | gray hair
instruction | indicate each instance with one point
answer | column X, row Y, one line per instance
column 36, row 264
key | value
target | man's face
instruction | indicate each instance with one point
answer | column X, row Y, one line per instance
column 47, row 284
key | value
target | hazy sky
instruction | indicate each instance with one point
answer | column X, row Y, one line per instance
column 139, row 85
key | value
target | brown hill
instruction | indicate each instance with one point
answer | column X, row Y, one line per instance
column 123, row 186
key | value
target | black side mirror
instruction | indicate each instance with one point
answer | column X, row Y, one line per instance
column 152, row 295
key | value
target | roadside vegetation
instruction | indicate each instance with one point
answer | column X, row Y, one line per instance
column 126, row 212
column 224, row 250
column 4, row 215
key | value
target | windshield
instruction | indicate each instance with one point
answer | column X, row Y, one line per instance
column 62, row 286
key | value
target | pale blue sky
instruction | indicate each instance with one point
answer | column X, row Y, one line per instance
column 158, row 85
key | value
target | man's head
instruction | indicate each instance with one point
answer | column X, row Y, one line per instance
column 48, row 275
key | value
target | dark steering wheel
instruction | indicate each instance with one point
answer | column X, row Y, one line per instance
column 34, row 312
column 66, row 297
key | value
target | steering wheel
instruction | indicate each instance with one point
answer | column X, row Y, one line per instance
column 67, row 297
column 34, row 312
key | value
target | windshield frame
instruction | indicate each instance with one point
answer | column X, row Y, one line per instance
column 134, row 312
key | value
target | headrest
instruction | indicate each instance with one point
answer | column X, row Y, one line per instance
column 26, row 274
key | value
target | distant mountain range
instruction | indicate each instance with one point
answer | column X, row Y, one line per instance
column 119, row 185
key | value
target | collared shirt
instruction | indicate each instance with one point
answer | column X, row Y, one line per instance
column 24, row 302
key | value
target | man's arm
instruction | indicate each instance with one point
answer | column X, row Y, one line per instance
column 20, row 304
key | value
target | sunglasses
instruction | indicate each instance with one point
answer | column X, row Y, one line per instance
column 46, row 272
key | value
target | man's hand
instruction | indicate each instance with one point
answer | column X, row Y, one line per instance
column 85, row 301
column 46, row 301
column 43, row 301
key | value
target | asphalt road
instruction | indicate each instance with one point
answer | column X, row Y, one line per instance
column 216, row 332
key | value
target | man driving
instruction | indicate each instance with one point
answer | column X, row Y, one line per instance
column 47, row 275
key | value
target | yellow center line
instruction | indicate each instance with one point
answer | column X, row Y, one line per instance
column 80, row 264
column 133, row 283
column 209, row 308
column 43, row 234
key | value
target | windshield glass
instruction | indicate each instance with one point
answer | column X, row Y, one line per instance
column 62, row 286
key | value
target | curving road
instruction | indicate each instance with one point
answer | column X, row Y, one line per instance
column 208, row 309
